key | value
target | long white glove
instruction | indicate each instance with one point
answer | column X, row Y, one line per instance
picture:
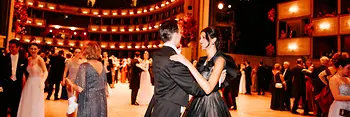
column 72, row 105
column 222, row 77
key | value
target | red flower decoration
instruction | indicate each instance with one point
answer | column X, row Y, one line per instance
column 20, row 16
column 188, row 27
column 271, row 15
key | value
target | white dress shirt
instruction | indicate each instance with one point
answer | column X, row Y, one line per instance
column 14, row 62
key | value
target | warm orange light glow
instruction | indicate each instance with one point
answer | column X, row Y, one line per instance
column 172, row 0
column 29, row 22
column 151, row 9
column 57, row 27
column 177, row 19
column 129, row 47
column 144, row 28
column 40, row 5
column 137, row 29
column 114, row 13
column 131, row 13
column 113, row 30
column 95, row 13
column 348, row 23
column 112, row 46
column 160, row 45
column 37, row 41
column 85, row 12
column 39, row 23
column 52, row 7
column 30, row 3
column 220, row 6
column 131, row 29
column 103, row 46
column 292, row 46
column 51, row 31
column 60, row 43
column 71, row 44
column 104, row 30
column 167, row 3
column 26, row 40
column 157, row 7
column 122, row 30
column 162, row 5
column 121, row 46
column 293, row 9
column 325, row 25
column 139, row 11
column 93, row 29
column 149, row 46
column 73, row 28
column 123, row 13
column 49, row 42
column 143, row 46
column 145, row 11
column 155, row 26
column 105, row 13
column 155, row 46
column 137, row 47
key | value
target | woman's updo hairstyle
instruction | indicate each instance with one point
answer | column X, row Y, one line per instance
column 339, row 56
column 212, row 33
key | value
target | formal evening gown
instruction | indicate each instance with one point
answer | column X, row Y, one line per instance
column 146, row 88
column 344, row 90
column 32, row 100
column 277, row 94
column 211, row 105
column 242, row 85
column 92, row 100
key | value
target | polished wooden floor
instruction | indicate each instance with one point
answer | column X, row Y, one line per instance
column 119, row 106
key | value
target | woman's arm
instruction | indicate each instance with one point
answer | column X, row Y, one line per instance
column 334, row 86
column 283, row 82
column 45, row 73
column 144, row 68
column 209, row 85
column 65, row 72
column 322, row 76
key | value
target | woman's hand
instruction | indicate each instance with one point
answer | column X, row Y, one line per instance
column 180, row 58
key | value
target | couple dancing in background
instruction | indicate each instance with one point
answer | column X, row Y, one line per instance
column 176, row 77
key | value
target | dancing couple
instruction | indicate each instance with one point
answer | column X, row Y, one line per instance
column 176, row 77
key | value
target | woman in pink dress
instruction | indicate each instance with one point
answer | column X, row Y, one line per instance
column 32, row 100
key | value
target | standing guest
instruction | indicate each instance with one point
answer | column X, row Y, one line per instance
column 261, row 77
column 90, row 84
column 13, row 79
column 135, row 78
column 278, row 89
column 288, row 77
column 299, row 88
column 32, row 100
column 248, row 74
column 56, row 74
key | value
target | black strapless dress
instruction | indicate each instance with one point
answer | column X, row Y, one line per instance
column 212, row 105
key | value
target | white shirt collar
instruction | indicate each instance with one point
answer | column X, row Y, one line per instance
column 14, row 55
column 172, row 46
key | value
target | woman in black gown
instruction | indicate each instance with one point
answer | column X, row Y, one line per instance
column 211, row 73
column 278, row 89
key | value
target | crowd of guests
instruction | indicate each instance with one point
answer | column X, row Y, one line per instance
column 26, row 75
column 309, row 86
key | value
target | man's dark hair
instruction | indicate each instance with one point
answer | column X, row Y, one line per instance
column 248, row 62
column 261, row 63
column 299, row 61
column 15, row 41
column 137, row 54
column 61, row 52
column 167, row 29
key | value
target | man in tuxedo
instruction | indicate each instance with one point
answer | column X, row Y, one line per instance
column 299, row 88
column 135, row 78
column 261, row 77
column 13, row 78
column 288, row 76
column 248, row 77
column 57, row 64
column 233, row 89
column 172, row 80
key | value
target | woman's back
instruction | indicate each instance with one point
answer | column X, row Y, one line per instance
column 92, row 100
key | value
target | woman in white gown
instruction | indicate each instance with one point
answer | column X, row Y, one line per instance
column 32, row 100
column 146, row 88
column 242, row 81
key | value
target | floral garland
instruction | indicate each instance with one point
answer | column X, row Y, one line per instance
column 270, row 50
column 20, row 16
column 189, row 27
column 271, row 15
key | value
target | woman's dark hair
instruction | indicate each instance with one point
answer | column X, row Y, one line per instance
column 342, row 61
column 337, row 56
column 33, row 44
column 211, row 32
